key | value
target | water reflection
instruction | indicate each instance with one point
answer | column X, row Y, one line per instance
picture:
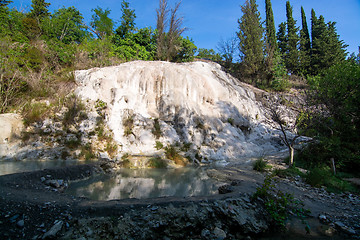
column 146, row 183
column 13, row 166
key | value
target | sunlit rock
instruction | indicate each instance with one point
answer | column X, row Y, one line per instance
column 194, row 102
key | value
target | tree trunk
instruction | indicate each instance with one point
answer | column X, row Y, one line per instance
column 291, row 160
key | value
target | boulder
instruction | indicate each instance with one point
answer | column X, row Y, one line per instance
column 11, row 126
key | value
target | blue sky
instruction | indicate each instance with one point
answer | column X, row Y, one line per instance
column 209, row 21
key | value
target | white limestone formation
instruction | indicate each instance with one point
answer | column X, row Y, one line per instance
column 194, row 102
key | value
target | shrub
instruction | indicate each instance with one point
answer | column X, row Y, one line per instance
column 260, row 165
column 128, row 126
column 172, row 153
column 157, row 162
column 126, row 161
column 322, row 176
column 34, row 112
column 158, row 145
column 157, row 129
column 279, row 204
column 111, row 148
column 75, row 106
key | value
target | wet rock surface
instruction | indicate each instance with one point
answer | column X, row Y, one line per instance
column 30, row 209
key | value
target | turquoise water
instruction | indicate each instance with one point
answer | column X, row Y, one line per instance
column 146, row 183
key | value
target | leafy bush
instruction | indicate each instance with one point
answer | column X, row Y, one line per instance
column 280, row 205
column 157, row 162
column 111, row 148
column 158, row 145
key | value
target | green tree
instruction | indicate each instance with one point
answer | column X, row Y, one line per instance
column 251, row 39
column 337, row 91
column 209, row 54
column 136, row 46
column 187, row 50
column 282, row 38
column 4, row 3
column 292, row 53
column 65, row 25
column 39, row 9
column 305, row 45
column 327, row 49
column 270, row 26
column 101, row 24
column 127, row 23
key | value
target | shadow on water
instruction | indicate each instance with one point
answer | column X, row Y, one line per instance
column 13, row 166
column 146, row 183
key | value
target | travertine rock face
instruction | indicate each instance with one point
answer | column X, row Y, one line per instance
column 11, row 126
column 194, row 102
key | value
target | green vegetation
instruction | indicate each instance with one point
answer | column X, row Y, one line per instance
column 158, row 145
column 280, row 205
column 157, row 162
column 173, row 153
column 128, row 126
column 260, row 165
column 40, row 49
column 156, row 129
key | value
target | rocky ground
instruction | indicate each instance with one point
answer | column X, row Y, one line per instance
column 34, row 207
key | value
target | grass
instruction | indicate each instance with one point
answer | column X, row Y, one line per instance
column 322, row 176
column 34, row 112
column 260, row 165
column 288, row 172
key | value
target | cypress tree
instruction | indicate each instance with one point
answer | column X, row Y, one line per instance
column 251, row 39
column 39, row 9
column 282, row 38
column 270, row 26
column 292, row 54
column 305, row 45
column 327, row 49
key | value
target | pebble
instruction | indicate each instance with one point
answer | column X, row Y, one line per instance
column 20, row 223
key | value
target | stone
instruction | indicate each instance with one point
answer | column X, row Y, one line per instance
column 11, row 126
column 194, row 102
column 53, row 230
column 226, row 189
column 20, row 223
column 219, row 233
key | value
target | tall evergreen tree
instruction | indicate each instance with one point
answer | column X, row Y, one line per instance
column 314, row 23
column 39, row 9
column 282, row 38
column 292, row 54
column 127, row 24
column 327, row 49
column 270, row 26
column 251, row 38
column 305, row 45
